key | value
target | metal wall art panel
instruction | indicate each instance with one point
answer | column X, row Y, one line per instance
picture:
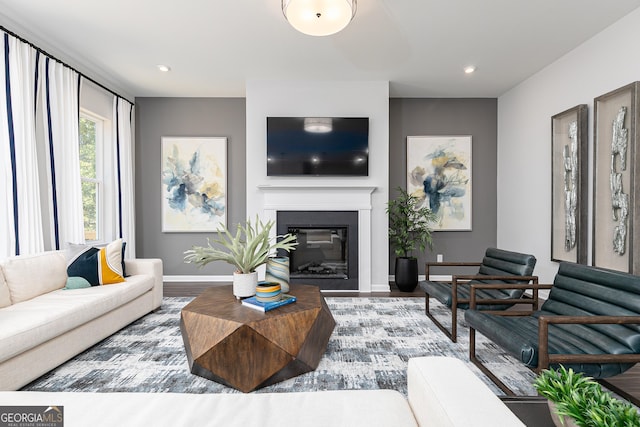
column 615, row 200
column 569, row 188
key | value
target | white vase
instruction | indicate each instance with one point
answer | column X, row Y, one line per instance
column 244, row 285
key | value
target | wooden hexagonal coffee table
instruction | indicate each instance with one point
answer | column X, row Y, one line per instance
column 246, row 349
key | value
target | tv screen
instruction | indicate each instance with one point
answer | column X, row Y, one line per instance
column 318, row 146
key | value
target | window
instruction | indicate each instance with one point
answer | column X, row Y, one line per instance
column 91, row 143
column 97, row 156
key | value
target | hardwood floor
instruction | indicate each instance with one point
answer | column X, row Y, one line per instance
column 191, row 289
column 627, row 384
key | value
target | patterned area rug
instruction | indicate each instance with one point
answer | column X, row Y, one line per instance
column 369, row 349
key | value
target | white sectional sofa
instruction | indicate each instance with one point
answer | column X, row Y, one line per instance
column 43, row 325
column 442, row 392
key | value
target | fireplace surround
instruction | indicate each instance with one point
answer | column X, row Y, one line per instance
column 301, row 197
column 327, row 251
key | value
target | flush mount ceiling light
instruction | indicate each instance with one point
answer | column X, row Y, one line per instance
column 318, row 124
column 469, row 69
column 319, row 17
column 164, row 68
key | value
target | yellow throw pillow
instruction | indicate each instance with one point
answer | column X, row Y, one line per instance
column 100, row 266
column 110, row 263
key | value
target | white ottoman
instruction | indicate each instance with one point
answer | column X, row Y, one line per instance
column 443, row 392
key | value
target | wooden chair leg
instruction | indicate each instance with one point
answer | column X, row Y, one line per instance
column 454, row 310
column 482, row 367
column 454, row 324
column 426, row 304
column 436, row 322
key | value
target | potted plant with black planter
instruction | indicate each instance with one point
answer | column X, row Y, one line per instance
column 409, row 229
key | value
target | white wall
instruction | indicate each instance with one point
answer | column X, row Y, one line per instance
column 96, row 100
column 606, row 62
column 325, row 99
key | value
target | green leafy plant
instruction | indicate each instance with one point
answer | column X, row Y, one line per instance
column 409, row 224
column 247, row 250
column 583, row 399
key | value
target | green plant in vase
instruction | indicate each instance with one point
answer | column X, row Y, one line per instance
column 581, row 400
column 247, row 250
column 409, row 230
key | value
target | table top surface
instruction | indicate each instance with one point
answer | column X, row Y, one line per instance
column 533, row 411
column 219, row 301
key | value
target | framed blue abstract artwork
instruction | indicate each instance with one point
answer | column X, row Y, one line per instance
column 194, row 184
column 439, row 174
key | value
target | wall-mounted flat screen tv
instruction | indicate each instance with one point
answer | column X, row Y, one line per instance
column 318, row 146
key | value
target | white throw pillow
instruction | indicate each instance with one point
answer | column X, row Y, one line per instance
column 28, row 276
column 5, row 297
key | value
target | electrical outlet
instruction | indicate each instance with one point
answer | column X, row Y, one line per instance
column 439, row 258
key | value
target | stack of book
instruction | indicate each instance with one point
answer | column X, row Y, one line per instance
column 266, row 306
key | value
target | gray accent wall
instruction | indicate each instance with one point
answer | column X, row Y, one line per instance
column 158, row 117
column 452, row 116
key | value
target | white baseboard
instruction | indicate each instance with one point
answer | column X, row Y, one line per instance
column 432, row 277
column 228, row 279
column 380, row 287
column 439, row 278
column 197, row 279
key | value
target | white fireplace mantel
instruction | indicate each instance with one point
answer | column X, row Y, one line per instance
column 300, row 197
column 316, row 197
column 280, row 187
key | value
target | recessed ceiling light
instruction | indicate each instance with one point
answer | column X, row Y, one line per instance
column 164, row 68
column 469, row 69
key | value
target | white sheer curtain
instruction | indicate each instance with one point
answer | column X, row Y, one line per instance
column 61, row 115
column 7, row 231
column 39, row 177
column 124, row 176
column 24, row 215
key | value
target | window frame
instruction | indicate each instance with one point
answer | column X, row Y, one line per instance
column 104, row 222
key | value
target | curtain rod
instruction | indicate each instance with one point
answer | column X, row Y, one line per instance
column 22, row 39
